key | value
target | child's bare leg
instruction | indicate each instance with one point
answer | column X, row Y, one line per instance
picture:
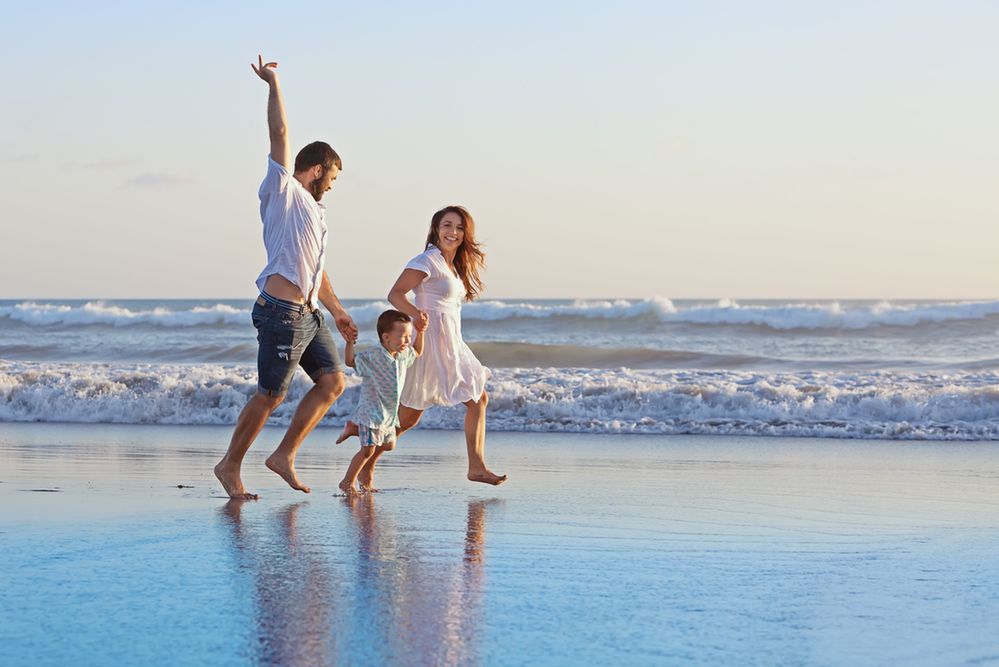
column 349, row 429
column 349, row 482
column 367, row 475
column 408, row 418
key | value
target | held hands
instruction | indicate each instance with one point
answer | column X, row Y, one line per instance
column 345, row 325
column 421, row 321
column 266, row 71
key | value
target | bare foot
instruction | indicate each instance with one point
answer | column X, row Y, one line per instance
column 349, row 429
column 347, row 488
column 366, row 478
column 486, row 477
column 286, row 469
column 231, row 483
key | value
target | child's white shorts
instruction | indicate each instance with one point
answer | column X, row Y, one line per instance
column 372, row 436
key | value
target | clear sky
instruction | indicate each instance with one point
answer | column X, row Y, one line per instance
column 606, row 149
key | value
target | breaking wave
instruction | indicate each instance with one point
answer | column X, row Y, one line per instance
column 878, row 405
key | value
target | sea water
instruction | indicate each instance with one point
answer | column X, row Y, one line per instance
column 843, row 369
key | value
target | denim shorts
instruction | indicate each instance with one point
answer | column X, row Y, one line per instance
column 289, row 339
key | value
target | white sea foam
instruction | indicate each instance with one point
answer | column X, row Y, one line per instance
column 101, row 313
column 835, row 316
column 787, row 316
column 952, row 406
column 98, row 312
column 656, row 307
column 727, row 312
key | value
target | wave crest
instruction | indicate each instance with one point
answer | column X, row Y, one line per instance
column 657, row 310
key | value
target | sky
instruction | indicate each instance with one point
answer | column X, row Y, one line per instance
column 606, row 149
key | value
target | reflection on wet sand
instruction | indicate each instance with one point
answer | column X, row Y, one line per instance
column 293, row 588
column 388, row 594
column 425, row 603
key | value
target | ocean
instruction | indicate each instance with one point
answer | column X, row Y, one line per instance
column 840, row 369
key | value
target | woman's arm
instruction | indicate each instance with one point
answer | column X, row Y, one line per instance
column 407, row 282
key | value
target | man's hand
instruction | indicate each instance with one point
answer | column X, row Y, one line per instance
column 345, row 325
column 266, row 71
column 277, row 125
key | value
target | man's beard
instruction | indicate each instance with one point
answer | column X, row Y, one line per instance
column 314, row 190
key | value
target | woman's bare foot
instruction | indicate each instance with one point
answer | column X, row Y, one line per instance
column 347, row 488
column 231, row 483
column 349, row 429
column 286, row 469
column 486, row 477
column 366, row 487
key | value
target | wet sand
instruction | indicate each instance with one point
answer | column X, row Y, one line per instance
column 118, row 547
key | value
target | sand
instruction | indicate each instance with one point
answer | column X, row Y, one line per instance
column 118, row 548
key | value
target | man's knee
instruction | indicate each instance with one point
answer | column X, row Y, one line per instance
column 331, row 385
column 387, row 446
column 268, row 401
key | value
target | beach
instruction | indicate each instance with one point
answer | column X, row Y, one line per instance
column 625, row 549
column 707, row 290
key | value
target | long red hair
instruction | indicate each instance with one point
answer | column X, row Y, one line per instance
column 469, row 260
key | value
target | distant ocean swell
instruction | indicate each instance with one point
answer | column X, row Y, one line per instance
column 780, row 317
column 907, row 406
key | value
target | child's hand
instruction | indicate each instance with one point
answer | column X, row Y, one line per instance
column 421, row 322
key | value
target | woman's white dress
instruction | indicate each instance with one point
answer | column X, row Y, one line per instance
column 446, row 373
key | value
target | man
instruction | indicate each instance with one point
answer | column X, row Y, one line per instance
column 290, row 327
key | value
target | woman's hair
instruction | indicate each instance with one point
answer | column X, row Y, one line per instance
column 469, row 260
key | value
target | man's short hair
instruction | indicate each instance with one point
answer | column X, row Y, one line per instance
column 318, row 152
column 388, row 319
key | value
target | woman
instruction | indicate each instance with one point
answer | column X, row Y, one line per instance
column 447, row 373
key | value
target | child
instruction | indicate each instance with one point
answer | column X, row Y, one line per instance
column 383, row 372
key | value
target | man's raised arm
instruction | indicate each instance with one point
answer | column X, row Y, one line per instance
column 277, row 124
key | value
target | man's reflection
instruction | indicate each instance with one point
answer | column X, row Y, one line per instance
column 292, row 587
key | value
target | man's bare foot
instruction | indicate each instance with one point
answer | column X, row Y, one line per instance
column 286, row 469
column 347, row 488
column 349, row 429
column 231, row 483
column 486, row 477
